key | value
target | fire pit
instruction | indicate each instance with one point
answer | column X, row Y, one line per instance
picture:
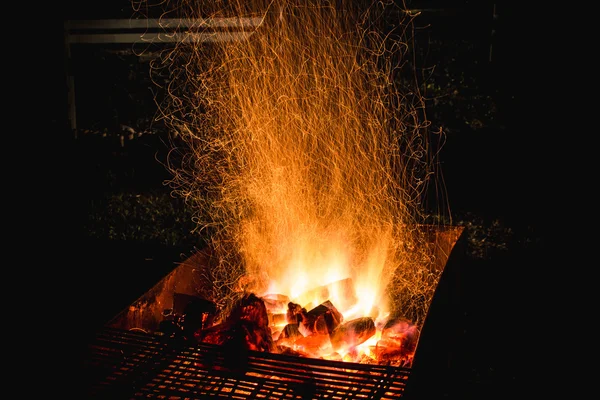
column 135, row 357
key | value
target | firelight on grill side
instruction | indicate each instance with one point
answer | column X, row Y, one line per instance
column 307, row 158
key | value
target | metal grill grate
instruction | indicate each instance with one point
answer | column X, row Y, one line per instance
column 133, row 364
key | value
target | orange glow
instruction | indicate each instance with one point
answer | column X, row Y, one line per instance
column 307, row 160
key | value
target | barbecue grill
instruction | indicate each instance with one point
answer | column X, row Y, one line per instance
column 130, row 358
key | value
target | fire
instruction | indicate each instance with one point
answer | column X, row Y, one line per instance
column 307, row 157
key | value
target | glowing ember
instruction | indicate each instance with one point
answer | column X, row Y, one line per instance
column 307, row 157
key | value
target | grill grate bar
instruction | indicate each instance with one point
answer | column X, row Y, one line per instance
column 131, row 364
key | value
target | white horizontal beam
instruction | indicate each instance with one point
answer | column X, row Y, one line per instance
column 186, row 37
column 164, row 23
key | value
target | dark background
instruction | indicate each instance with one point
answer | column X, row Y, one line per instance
column 506, row 172
column 504, row 168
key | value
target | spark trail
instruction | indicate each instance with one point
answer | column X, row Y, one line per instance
column 307, row 153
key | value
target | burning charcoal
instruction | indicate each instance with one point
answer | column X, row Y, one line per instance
column 401, row 333
column 352, row 333
column 246, row 327
column 395, row 326
column 284, row 349
column 365, row 359
column 290, row 332
column 295, row 313
column 315, row 345
column 392, row 352
column 288, row 336
column 275, row 303
column 324, row 318
column 251, row 308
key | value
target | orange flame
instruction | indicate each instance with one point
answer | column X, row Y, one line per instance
column 309, row 156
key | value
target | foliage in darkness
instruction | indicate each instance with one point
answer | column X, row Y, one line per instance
column 453, row 76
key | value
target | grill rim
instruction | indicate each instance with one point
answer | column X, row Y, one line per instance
column 430, row 362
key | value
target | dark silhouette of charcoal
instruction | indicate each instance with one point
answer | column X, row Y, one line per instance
column 194, row 313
